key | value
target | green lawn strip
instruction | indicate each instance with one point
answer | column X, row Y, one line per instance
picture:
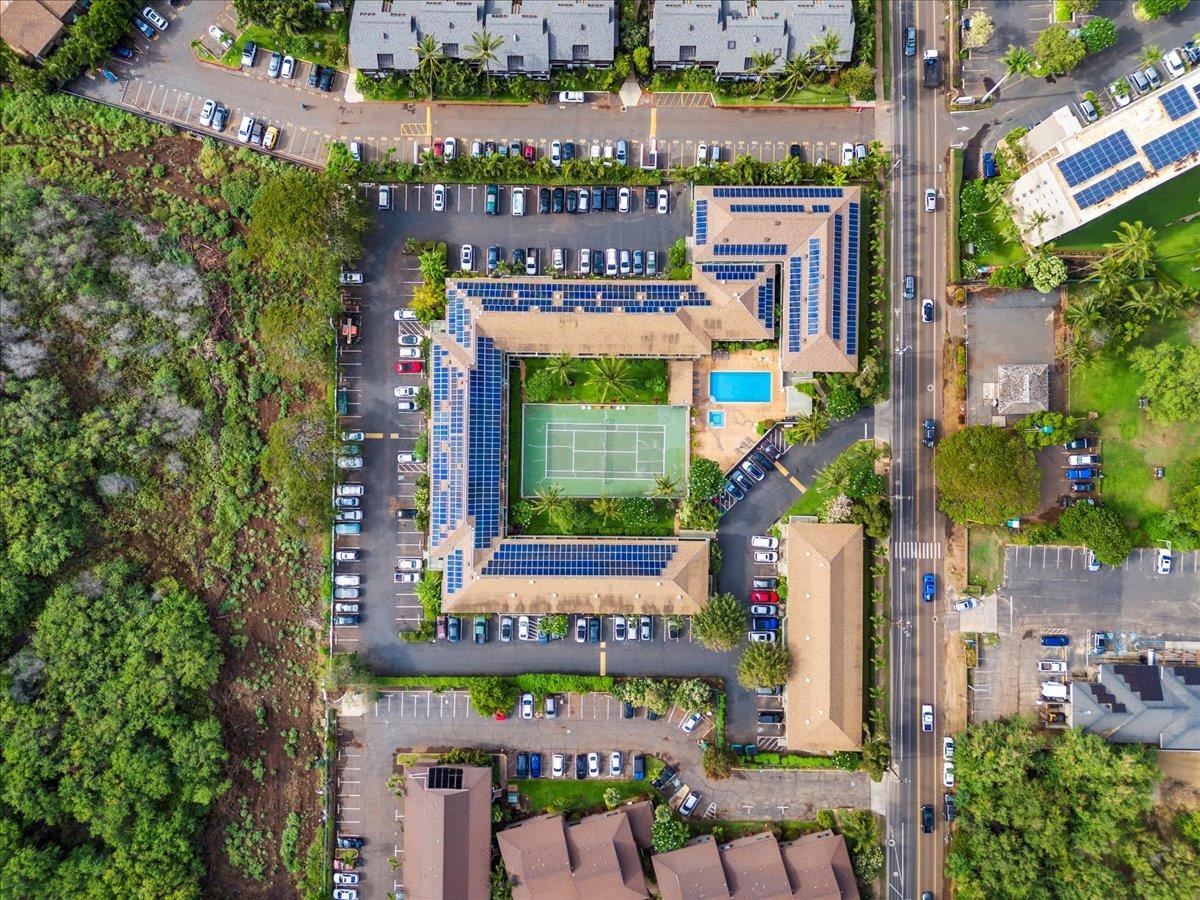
column 1164, row 209
column 952, row 208
column 985, row 557
column 811, row 502
column 326, row 46
column 577, row 796
column 584, row 388
column 812, row 95
column 663, row 525
column 885, row 35
column 786, row 761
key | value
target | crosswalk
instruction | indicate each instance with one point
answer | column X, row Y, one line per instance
column 917, row 550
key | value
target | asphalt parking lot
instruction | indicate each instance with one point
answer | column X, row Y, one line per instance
column 1049, row 590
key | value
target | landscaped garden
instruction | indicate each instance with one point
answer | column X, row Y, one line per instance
column 564, row 379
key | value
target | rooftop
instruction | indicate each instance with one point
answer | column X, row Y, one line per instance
column 448, row 849
column 1088, row 172
column 823, row 697
column 30, row 27
column 1141, row 704
column 1022, row 389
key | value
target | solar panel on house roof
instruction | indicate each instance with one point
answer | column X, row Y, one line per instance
column 454, row 572
column 1109, row 185
column 732, row 271
column 814, row 286
column 1145, row 681
column 836, row 279
column 769, row 208
column 766, row 304
column 582, row 559
column 852, row 245
column 485, row 441
column 445, row 445
column 749, row 249
column 1100, row 156
column 1177, row 102
column 772, row 192
column 445, row 778
column 701, row 222
column 795, row 287
column 1174, row 145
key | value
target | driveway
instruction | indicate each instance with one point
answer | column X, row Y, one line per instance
column 1010, row 328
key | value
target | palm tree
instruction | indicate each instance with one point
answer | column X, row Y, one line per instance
column 825, row 51
column 796, row 72
column 561, row 367
column 430, row 59
column 761, row 62
column 1150, row 54
column 808, row 428
column 665, row 486
column 1148, row 301
column 1133, row 249
column 1077, row 350
column 549, row 500
column 1017, row 61
column 839, row 177
column 613, row 375
column 482, row 52
column 607, row 508
column 1084, row 313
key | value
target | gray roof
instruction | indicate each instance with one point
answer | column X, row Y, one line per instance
column 1140, row 704
column 542, row 32
column 725, row 33
column 1023, row 389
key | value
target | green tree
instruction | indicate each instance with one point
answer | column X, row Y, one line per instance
column 562, row 368
column 490, row 695
column 431, row 60
column 705, row 478
column 1033, row 428
column 807, row 428
column 1152, row 9
column 859, row 81
column 285, row 16
column 717, row 762
column 842, row 401
column 1046, row 271
column 1017, row 61
column 641, row 60
column 554, row 625
column 797, row 70
column 668, row 833
column 540, row 387
column 1081, row 7
column 761, row 62
column 664, row 486
column 1098, row 33
column 825, row 51
column 1056, row 52
column 701, row 515
column 694, row 694
column 607, row 509
column 1133, row 250
column 611, row 797
column 1100, row 528
column 1171, row 379
column 1010, row 276
column 548, row 500
column 763, row 665
column 482, row 51
column 432, row 265
column 612, row 374
column 986, row 474
column 721, row 624
column 1149, row 55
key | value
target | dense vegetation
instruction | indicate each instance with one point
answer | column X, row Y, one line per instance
column 986, row 474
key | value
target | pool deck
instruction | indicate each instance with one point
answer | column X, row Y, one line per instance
column 727, row 445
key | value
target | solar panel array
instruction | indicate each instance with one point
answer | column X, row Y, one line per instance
column 446, row 446
column 795, row 270
column 581, row 296
column 1177, row 102
column 821, row 207
column 582, row 559
column 458, row 320
column 1099, row 157
column 1145, row 681
column 485, row 440
column 444, row 778
column 1106, row 697
column 766, row 304
column 763, row 192
column 1174, row 145
column 733, row 271
column 749, row 249
column 701, row 222
column 454, row 572
column 836, row 328
column 852, row 282
column 814, row 286
column 1109, row 185
column 769, row 208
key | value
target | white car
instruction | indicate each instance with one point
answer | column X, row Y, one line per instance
column 701, row 153
column 930, row 200
column 345, row 894
column 220, row 36
column 349, row 462
column 689, row 724
column 206, row 113
column 1093, row 564
column 288, row 68
column 615, row 764
column 385, row 196
column 594, row 153
column 761, row 637
column 556, row 153
column 847, row 153
column 347, row 580
column 346, row 556
column 765, row 542
column 154, row 18
column 406, row 406
column 527, row 706
column 1120, row 97
column 557, row 765
column 439, row 198
column 689, row 804
column 570, row 97
column 523, row 632
column 350, row 490
column 623, row 196
column 410, row 564
column 506, row 628
column 948, row 774
column 947, row 748
column 405, row 577
column 451, row 148
column 409, row 353
column 1162, row 561
column 476, row 148
column 965, row 604
column 351, row 278
column 664, row 201
column 927, row 717
column 244, row 129
column 345, row 878
column 593, row 765
column 766, row 556
column 402, row 315
column 466, row 258
column 1172, row 59
column 405, row 391
column 406, row 457
column 1084, row 459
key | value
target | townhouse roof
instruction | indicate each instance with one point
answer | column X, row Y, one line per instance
column 30, row 27
column 823, row 696
column 1141, row 704
column 448, row 848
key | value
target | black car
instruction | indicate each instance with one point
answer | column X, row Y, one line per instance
column 651, row 197
column 769, row 449
column 350, row 619
column 762, row 461
column 256, row 133
column 626, row 710
column 580, row 765
column 664, row 778
column 568, row 150
column 1078, row 444
column 597, row 204
column 314, row 75
column 558, row 200
column 1081, row 487
column 927, row 819
column 928, row 432
column 651, row 715
column 794, row 151
column 610, row 199
column 594, row 629
column 572, row 202
column 544, row 200
column 495, row 254
column 597, row 262
column 489, row 147
column 407, row 513
column 220, row 117
column 770, row 718
column 326, row 82
column 522, row 764
column 349, row 842
column 948, row 801
column 518, row 257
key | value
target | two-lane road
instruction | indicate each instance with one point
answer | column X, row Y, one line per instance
column 915, row 859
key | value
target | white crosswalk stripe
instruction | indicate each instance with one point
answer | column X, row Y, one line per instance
column 917, row 550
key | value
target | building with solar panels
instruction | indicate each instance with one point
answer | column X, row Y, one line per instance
column 1141, row 704
column 1095, row 170
column 767, row 261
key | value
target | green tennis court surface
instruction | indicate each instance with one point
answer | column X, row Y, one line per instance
column 594, row 451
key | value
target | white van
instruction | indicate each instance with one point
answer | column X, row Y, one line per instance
column 610, row 262
column 518, row 201
column 570, row 97
column 245, row 128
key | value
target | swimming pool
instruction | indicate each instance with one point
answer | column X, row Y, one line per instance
column 739, row 387
column 716, row 418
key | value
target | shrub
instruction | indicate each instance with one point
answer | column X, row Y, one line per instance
column 717, row 762
column 705, row 478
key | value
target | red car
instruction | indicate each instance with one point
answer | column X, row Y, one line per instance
column 764, row 596
column 530, row 152
column 405, row 367
column 438, row 149
column 441, row 628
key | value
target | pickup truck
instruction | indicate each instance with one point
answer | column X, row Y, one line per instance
column 931, row 68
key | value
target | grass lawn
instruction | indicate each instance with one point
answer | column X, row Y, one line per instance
column 663, row 525
column 985, row 557
column 811, row 502
column 578, row 796
column 1132, row 444
column 1006, row 250
column 327, row 45
column 812, row 95
column 646, row 383
column 1164, row 209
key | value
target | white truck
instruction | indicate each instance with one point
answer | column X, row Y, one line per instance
column 1055, row 690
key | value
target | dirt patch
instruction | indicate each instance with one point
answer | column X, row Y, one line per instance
column 954, row 684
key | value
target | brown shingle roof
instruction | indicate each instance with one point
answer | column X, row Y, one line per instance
column 818, row 867
column 29, row 27
column 691, row 872
column 448, row 834
column 824, row 633
column 754, row 867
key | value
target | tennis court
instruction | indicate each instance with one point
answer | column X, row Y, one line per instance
column 602, row 451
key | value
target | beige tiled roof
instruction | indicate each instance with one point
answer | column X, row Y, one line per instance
column 594, row 334
column 448, row 844
column 28, row 26
column 823, row 700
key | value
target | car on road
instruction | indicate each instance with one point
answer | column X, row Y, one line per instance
column 249, row 54
column 764, row 542
column 928, row 432
column 1162, row 561
column 616, row 763
column 453, row 629
column 766, row 556
column 221, row 36
column 689, row 724
column 927, row 717
column 593, row 764
column 557, row 765
column 927, row 310
column 274, row 64
column 207, row 111
column 965, row 604
column 764, row 609
column 149, row 14
column 927, row 819
column 910, row 287
column 930, row 200
column 439, row 198
column 689, row 804
column 928, row 587
column 910, row 40
column 947, row 748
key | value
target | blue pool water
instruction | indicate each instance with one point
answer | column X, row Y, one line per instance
column 739, row 387
column 716, row 418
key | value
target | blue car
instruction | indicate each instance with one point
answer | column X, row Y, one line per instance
column 535, row 765
column 733, row 490
column 1055, row 640
column 766, row 624
column 1081, row 473
column 123, row 52
column 145, row 29
column 928, row 587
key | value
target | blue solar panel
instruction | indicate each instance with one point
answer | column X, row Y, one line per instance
column 580, row 296
column 821, row 207
column 446, row 446
column 485, row 462
column 581, row 559
column 454, row 572
column 458, row 320
column 701, row 222
column 733, row 271
column 763, row 192
column 1173, row 146
column 1177, row 102
column 749, row 249
column 769, row 208
column 1099, row 157
column 1106, row 187
column 814, row 286
column 795, row 269
column 766, row 304
column 852, row 246
column 837, row 278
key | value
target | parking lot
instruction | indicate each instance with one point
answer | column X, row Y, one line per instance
column 1048, row 590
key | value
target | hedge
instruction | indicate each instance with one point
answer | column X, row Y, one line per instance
column 846, row 761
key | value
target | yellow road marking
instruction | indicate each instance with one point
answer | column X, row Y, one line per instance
column 603, row 662
column 374, row 434
column 782, row 471
column 653, row 121
column 395, row 435
column 429, row 120
column 797, row 485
